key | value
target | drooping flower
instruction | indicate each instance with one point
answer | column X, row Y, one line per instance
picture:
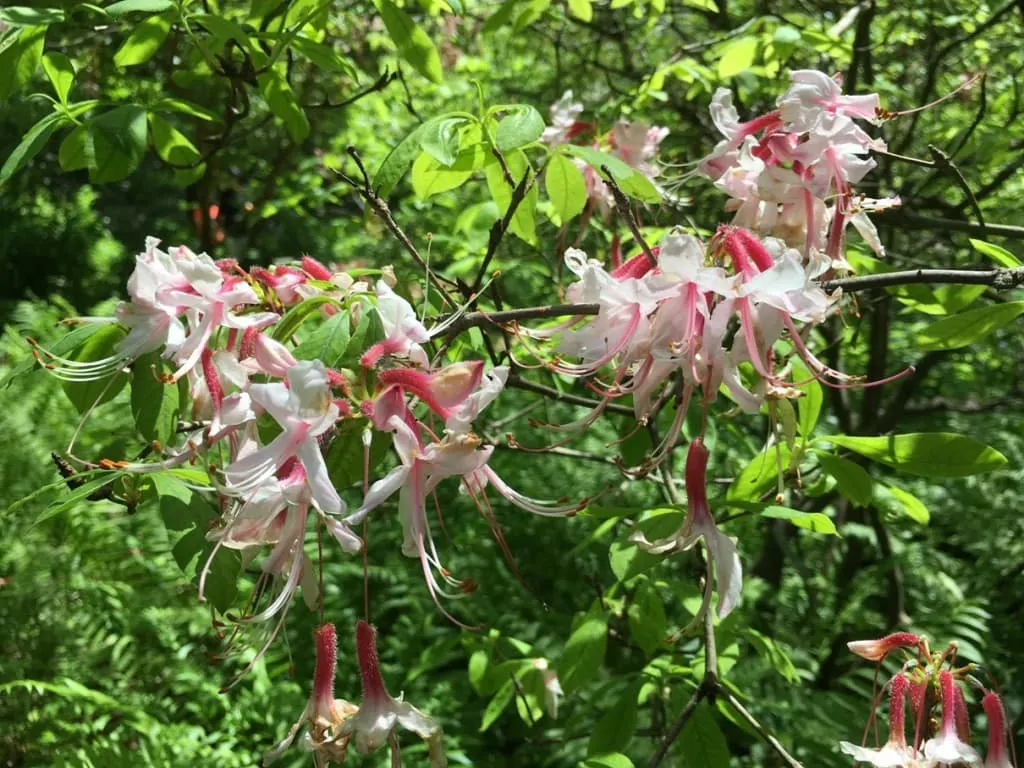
column 323, row 713
column 379, row 713
column 947, row 747
column 894, row 753
column 403, row 331
column 814, row 95
column 699, row 524
column 997, row 756
column 305, row 411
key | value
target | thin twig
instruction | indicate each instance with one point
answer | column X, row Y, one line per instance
column 1000, row 279
column 381, row 83
column 473, row 319
column 623, row 207
column 943, row 161
column 565, row 397
column 380, row 205
column 754, row 723
column 501, row 226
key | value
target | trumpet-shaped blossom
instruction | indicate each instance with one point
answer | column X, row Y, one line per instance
column 403, row 331
column 876, row 650
column 323, row 713
column 997, row 756
column 379, row 713
column 946, row 747
column 813, row 95
column 894, row 753
column 699, row 524
column 305, row 411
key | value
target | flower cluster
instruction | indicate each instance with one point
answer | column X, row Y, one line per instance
column 935, row 688
column 633, row 142
column 782, row 169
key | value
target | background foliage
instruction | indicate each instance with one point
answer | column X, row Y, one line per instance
column 169, row 119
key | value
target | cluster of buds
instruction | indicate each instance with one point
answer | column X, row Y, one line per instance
column 633, row 142
column 784, row 168
column 332, row 725
column 934, row 685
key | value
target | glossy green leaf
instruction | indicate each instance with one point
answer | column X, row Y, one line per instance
column 30, row 144
column 442, row 139
column 138, row 6
column 61, row 72
column 583, row 654
column 582, row 9
column 156, row 406
column 20, row 60
column 296, row 316
column 1000, row 256
column 524, row 224
column 400, row 158
column 144, row 41
column 85, row 394
column 521, row 125
column 23, row 16
column 119, row 142
column 565, row 187
column 737, row 56
column 502, row 16
column 970, row 326
column 612, row 760
column 853, row 480
column 816, row 522
column 429, row 177
column 760, row 475
column 170, row 143
column 702, row 742
column 632, row 183
column 78, row 495
column 648, row 623
column 283, row 103
column 908, row 504
column 413, row 44
column 323, row 56
column 498, row 704
column 76, row 151
column 171, row 104
column 615, row 729
column 809, row 406
column 930, row 454
column 187, row 517
column 328, row 342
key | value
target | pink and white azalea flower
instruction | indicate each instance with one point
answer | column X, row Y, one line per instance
column 403, row 331
column 814, row 94
column 876, row 650
column 947, row 747
column 637, row 143
column 894, row 753
column 305, row 411
column 380, row 714
column 564, row 124
column 997, row 756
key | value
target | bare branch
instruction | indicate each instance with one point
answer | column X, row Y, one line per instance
column 1000, row 279
column 622, row 206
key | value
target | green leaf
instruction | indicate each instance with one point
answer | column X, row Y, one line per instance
column 853, row 480
column 929, row 454
column 369, row 331
column 430, row 177
column 144, row 41
column 23, row 16
column 20, row 60
column 414, row 45
column 523, row 125
column 138, row 6
column 647, row 624
column 187, row 517
column 532, row 11
column 323, row 56
column 613, row 760
column 702, row 742
column 500, row 17
column 441, row 140
column 30, row 144
column 566, row 187
column 345, row 455
column 170, row 143
column 170, row 104
column 582, row 9
column 808, row 406
column 61, row 72
column 282, row 102
column 84, row 394
column 225, row 29
column 400, row 158
column 760, row 475
column 615, row 729
column 76, row 496
column 156, row 406
column 968, row 327
column 76, row 151
column 328, row 342
column 293, row 319
column 630, row 180
column 497, row 705
column 119, row 140
column 909, row 504
column 1000, row 256
column 627, row 559
column 524, row 224
column 583, row 654
column 816, row 522
column 738, row 56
